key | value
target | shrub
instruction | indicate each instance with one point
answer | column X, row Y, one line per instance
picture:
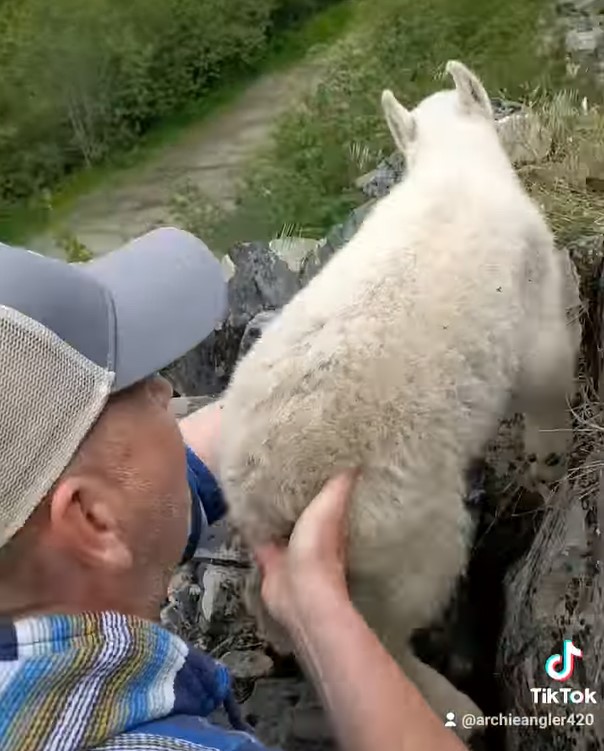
column 82, row 80
column 304, row 178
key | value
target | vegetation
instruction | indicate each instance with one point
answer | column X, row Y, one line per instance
column 303, row 183
column 83, row 80
column 569, row 183
column 87, row 86
column 75, row 251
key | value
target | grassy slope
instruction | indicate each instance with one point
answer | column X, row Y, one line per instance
column 302, row 184
column 287, row 49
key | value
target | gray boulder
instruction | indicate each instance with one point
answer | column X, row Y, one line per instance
column 336, row 239
column 582, row 25
column 182, row 406
column 554, row 594
column 286, row 713
column 556, row 591
column 254, row 330
column 261, row 281
column 380, row 181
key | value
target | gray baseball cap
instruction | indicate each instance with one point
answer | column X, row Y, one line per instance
column 73, row 334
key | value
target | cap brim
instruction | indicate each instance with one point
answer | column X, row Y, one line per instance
column 168, row 292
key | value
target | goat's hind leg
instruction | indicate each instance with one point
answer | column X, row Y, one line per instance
column 440, row 693
column 545, row 393
column 546, row 386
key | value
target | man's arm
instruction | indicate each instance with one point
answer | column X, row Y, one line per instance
column 372, row 705
column 201, row 431
column 201, row 434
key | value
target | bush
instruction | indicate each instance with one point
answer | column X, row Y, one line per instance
column 81, row 80
column 290, row 12
column 304, row 179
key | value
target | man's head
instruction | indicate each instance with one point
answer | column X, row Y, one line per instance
column 94, row 501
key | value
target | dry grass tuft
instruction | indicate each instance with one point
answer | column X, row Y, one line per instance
column 569, row 182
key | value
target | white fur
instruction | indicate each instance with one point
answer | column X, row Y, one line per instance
column 401, row 357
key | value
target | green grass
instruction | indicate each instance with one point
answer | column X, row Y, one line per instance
column 302, row 182
column 18, row 222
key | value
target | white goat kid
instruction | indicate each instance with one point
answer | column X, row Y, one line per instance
column 400, row 358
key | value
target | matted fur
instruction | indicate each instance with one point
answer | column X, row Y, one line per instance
column 401, row 357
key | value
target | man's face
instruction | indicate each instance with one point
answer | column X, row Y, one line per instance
column 143, row 462
column 157, row 490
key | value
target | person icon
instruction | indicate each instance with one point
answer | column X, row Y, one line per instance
column 450, row 723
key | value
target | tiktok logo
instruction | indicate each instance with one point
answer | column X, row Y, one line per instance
column 561, row 667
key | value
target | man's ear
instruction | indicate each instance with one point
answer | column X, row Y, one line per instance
column 471, row 92
column 83, row 525
column 400, row 121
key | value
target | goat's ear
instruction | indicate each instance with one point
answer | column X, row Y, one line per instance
column 400, row 120
column 471, row 92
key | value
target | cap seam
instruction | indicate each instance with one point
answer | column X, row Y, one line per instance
column 111, row 330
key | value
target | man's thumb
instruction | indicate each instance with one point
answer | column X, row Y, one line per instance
column 330, row 506
column 268, row 556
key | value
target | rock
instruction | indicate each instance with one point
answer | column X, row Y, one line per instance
column 262, row 281
column 580, row 7
column 553, row 595
column 228, row 267
column 380, row 181
column 555, row 592
column 293, row 250
column 587, row 253
column 336, row 239
column 182, row 406
column 247, row 664
column 524, row 137
column 314, row 261
column 182, row 611
column 581, row 23
column 504, row 107
column 254, row 330
column 206, row 369
column 343, row 233
column 220, row 546
column 286, row 713
column 221, row 600
column 586, row 42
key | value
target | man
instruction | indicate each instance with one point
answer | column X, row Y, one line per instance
column 96, row 486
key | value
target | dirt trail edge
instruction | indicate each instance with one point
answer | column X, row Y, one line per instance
column 209, row 155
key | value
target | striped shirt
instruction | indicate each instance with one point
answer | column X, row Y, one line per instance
column 108, row 681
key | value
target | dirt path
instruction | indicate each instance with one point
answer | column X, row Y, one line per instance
column 210, row 155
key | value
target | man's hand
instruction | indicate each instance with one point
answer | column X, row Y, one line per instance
column 314, row 563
